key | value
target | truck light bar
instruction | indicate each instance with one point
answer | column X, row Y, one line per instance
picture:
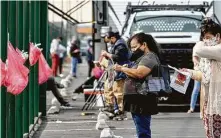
column 139, row 8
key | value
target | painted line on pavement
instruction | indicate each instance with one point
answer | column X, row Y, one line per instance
column 63, row 130
column 72, row 122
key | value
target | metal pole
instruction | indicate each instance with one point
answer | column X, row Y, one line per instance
column 36, row 40
column 44, row 42
column 10, row 97
column 4, row 19
column 19, row 44
column 26, row 47
column 31, row 74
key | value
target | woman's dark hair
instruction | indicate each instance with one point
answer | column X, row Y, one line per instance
column 148, row 39
column 60, row 37
column 209, row 26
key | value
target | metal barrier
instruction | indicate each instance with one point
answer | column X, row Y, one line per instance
column 24, row 21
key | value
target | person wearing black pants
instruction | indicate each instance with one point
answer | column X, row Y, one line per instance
column 53, row 86
column 60, row 64
column 90, row 57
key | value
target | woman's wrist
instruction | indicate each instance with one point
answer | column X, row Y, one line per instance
column 122, row 69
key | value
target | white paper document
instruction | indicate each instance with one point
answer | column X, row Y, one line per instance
column 180, row 80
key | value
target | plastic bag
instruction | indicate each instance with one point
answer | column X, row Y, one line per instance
column 97, row 72
column 44, row 70
column 17, row 73
column 3, row 72
column 20, row 55
column 35, row 53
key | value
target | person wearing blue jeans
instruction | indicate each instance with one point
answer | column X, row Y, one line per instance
column 194, row 96
column 137, row 98
column 142, row 124
column 75, row 54
column 74, row 66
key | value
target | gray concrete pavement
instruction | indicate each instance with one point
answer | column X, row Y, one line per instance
column 69, row 123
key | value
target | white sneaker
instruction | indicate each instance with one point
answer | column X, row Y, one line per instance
column 61, row 75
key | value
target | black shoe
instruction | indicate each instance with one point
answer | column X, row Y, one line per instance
column 108, row 109
column 121, row 116
column 66, row 104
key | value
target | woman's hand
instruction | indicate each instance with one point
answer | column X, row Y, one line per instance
column 105, row 54
column 118, row 67
column 187, row 70
column 184, row 70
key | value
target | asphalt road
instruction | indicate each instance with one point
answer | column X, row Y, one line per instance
column 69, row 123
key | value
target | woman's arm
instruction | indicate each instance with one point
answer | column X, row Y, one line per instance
column 210, row 52
column 138, row 73
column 196, row 75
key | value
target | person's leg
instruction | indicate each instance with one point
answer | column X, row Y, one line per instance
column 118, row 93
column 74, row 66
column 51, row 85
column 56, row 64
column 53, row 58
column 90, row 67
column 60, row 65
column 142, row 123
column 202, row 96
column 194, row 95
column 108, row 96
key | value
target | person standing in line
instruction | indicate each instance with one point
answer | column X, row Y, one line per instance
column 145, row 55
column 62, row 49
column 197, row 84
column 120, row 54
column 90, row 57
column 75, row 55
column 209, row 74
column 54, row 51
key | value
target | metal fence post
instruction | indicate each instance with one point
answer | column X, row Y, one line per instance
column 44, row 45
column 11, row 98
column 31, row 74
column 19, row 44
column 26, row 48
column 36, row 19
column 4, row 34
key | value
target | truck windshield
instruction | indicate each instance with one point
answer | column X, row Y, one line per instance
column 166, row 24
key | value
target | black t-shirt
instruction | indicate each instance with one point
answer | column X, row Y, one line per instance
column 72, row 49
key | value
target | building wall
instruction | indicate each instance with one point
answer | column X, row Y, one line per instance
column 59, row 26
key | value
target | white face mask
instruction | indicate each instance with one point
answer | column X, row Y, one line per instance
column 91, row 43
column 210, row 42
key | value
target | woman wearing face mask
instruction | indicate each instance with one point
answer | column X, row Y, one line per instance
column 209, row 74
column 145, row 55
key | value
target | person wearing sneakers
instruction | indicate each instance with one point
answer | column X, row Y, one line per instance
column 119, row 52
column 196, row 88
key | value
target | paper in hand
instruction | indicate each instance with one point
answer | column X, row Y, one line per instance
column 180, row 80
